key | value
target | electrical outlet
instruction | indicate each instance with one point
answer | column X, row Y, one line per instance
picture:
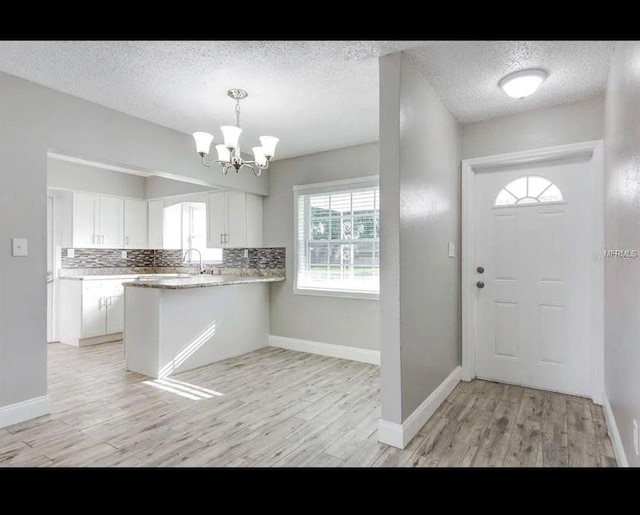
column 246, row 253
column 636, row 437
column 124, row 254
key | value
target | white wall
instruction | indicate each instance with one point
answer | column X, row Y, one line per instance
column 340, row 321
column 558, row 125
column 33, row 120
column 420, row 156
column 622, row 231
column 81, row 177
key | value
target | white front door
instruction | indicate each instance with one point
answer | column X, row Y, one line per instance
column 533, row 237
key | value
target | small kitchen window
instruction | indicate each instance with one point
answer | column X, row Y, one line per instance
column 338, row 238
column 185, row 227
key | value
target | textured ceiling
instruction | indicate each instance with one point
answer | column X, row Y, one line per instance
column 313, row 95
column 465, row 74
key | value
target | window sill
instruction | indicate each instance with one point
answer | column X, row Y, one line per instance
column 362, row 295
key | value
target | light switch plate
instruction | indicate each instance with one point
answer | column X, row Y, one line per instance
column 19, row 247
column 71, row 253
column 452, row 250
column 124, row 254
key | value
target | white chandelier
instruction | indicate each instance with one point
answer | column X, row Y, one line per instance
column 229, row 153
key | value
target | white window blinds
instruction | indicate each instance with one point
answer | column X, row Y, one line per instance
column 338, row 238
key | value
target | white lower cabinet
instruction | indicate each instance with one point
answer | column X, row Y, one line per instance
column 115, row 313
column 91, row 312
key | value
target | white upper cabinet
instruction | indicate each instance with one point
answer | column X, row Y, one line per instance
column 254, row 220
column 135, row 224
column 85, row 220
column 235, row 220
column 217, row 219
column 156, row 223
column 97, row 221
column 111, row 222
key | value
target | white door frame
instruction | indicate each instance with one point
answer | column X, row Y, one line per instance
column 590, row 151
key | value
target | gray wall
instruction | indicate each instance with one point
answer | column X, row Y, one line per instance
column 81, row 177
column 558, row 125
column 622, row 231
column 91, row 179
column 340, row 321
column 159, row 187
column 420, row 164
column 33, row 120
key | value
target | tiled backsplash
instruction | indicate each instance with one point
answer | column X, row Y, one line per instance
column 259, row 258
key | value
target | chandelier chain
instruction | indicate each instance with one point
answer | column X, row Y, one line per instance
column 237, row 113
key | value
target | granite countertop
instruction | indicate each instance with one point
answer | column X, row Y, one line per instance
column 120, row 276
column 200, row 281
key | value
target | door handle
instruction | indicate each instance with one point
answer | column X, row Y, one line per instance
column 109, row 301
column 126, row 240
column 226, row 237
column 480, row 284
column 102, row 239
column 221, row 239
column 100, row 299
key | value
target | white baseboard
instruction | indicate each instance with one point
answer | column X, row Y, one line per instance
column 614, row 434
column 326, row 349
column 399, row 435
column 25, row 410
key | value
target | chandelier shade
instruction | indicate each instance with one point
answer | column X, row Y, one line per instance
column 203, row 142
column 269, row 145
column 231, row 135
column 223, row 153
column 258, row 154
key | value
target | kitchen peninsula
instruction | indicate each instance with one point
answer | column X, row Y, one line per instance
column 177, row 324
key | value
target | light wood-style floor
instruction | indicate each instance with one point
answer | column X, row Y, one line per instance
column 276, row 407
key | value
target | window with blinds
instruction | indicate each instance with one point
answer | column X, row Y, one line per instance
column 338, row 238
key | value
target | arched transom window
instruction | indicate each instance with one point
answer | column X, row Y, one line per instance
column 531, row 189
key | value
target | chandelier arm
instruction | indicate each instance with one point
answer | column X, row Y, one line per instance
column 257, row 164
column 255, row 167
column 212, row 162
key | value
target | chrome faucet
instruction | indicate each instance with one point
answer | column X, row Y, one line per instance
column 184, row 258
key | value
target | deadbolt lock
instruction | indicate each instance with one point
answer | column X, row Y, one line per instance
column 480, row 269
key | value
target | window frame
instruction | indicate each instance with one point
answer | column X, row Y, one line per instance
column 325, row 187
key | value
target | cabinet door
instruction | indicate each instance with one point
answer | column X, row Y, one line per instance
column 135, row 224
column 115, row 314
column 85, row 220
column 111, row 222
column 236, row 219
column 93, row 316
column 156, row 223
column 216, row 219
column 254, row 221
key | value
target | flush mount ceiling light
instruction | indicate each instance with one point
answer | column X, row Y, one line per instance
column 523, row 83
column 229, row 153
